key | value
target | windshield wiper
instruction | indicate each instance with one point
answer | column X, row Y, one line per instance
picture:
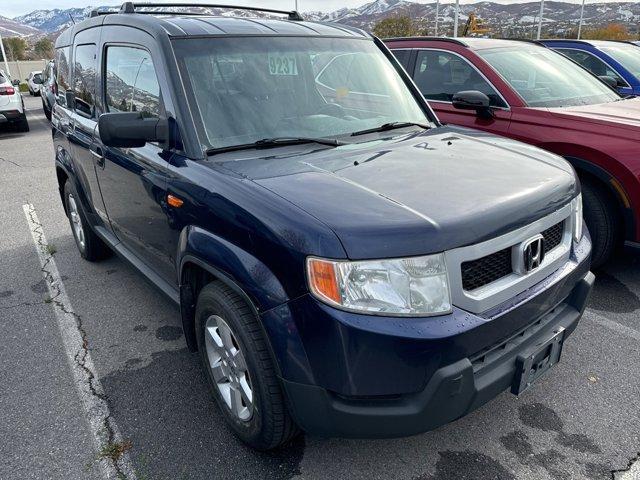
column 276, row 142
column 390, row 126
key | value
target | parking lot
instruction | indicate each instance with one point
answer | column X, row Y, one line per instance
column 579, row 422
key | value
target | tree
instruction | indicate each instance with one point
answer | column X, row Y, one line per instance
column 43, row 48
column 395, row 27
column 15, row 47
column 613, row 31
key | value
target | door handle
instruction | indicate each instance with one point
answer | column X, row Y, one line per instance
column 98, row 154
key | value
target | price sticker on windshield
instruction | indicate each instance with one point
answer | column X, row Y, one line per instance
column 280, row 64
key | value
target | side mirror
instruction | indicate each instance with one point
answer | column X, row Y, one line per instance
column 131, row 129
column 473, row 100
column 612, row 82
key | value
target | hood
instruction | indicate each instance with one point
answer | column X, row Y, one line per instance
column 416, row 194
column 623, row 113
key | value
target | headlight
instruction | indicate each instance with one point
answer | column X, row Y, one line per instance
column 415, row 286
column 577, row 218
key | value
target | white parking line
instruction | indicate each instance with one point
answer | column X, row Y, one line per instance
column 613, row 325
column 114, row 464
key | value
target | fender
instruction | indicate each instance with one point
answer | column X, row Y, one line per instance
column 590, row 161
column 65, row 163
column 241, row 271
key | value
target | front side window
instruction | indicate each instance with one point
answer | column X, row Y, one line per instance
column 592, row 63
column 626, row 55
column 249, row 89
column 439, row 75
column 62, row 70
column 131, row 84
column 84, row 75
column 544, row 78
column 403, row 57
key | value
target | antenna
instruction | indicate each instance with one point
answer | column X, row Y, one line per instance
column 72, row 20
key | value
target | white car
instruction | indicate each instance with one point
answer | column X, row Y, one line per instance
column 34, row 81
column 11, row 104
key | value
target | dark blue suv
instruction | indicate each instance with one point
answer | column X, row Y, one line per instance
column 615, row 59
column 344, row 264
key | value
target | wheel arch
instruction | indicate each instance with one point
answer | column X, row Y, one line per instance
column 205, row 257
column 612, row 186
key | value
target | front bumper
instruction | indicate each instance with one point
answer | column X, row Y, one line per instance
column 452, row 391
column 354, row 375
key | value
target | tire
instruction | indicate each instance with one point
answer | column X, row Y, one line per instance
column 23, row 123
column 90, row 246
column 269, row 424
column 47, row 112
column 603, row 222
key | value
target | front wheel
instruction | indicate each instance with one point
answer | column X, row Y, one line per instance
column 241, row 372
column 603, row 222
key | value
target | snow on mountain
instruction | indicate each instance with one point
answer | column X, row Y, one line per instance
column 12, row 28
column 515, row 19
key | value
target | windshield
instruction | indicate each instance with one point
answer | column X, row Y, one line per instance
column 544, row 78
column 626, row 55
column 252, row 88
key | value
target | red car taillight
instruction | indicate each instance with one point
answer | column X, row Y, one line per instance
column 7, row 90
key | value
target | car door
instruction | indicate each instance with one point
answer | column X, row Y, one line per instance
column 133, row 181
column 83, row 117
column 439, row 74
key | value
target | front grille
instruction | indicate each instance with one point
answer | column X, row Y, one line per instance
column 480, row 272
column 485, row 270
column 553, row 237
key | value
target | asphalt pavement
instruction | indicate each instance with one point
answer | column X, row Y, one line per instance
column 581, row 421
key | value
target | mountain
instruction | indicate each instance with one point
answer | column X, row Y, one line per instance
column 13, row 28
column 513, row 20
column 50, row 21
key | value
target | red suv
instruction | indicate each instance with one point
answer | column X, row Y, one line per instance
column 530, row 93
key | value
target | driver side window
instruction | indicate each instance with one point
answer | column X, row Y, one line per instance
column 131, row 84
column 439, row 75
column 592, row 63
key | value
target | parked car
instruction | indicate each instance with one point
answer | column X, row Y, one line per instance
column 343, row 263
column 34, row 81
column 47, row 90
column 618, row 60
column 529, row 93
column 12, row 110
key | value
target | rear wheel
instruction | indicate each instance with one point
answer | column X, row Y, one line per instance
column 241, row 372
column 90, row 246
column 603, row 221
column 23, row 123
column 47, row 112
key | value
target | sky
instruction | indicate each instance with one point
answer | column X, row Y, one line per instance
column 12, row 8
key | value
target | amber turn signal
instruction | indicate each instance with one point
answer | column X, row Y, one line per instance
column 323, row 280
column 174, row 202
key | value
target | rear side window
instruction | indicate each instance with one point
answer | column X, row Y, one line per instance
column 85, row 79
column 62, row 75
column 131, row 84
column 439, row 75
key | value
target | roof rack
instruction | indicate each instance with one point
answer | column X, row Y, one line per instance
column 438, row 39
column 131, row 7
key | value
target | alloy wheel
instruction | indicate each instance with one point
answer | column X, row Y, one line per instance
column 229, row 368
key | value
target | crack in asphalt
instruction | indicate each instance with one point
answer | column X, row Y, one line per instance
column 11, row 162
column 108, row 434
